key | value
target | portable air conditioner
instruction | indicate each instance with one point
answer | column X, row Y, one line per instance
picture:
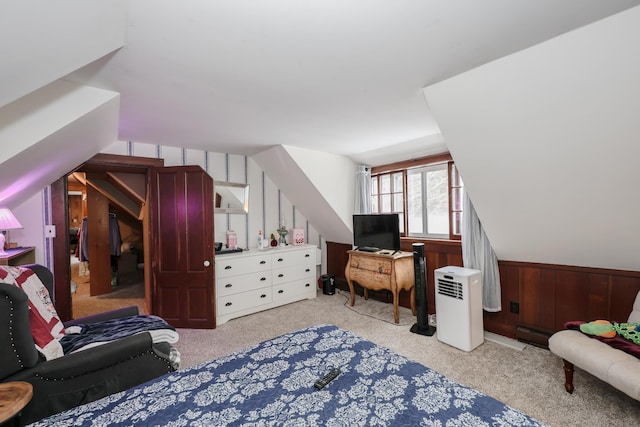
column 459, row 307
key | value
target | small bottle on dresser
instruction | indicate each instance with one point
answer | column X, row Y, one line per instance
column 260, row 240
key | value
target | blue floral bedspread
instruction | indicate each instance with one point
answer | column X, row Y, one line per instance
column 272, row 384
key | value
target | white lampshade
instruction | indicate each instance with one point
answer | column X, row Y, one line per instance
column 7, row 222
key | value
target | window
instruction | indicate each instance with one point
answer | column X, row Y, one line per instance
column 428, row 201
column 387, row 195
column 430, row 191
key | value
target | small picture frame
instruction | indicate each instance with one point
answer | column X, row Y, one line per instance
column 297, row 236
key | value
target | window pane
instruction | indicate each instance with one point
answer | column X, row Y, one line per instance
column 397, row 202
column 385, row 203
column 374, row 204
column 414, row 203
column 397, row 182
column 374, row 185
column 401, row 220
column 437, row 202
column 385, row 184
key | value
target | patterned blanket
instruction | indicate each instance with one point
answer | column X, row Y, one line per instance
column 81, row 337
column 272, row 384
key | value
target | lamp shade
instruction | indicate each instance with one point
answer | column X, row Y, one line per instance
column 8, row 221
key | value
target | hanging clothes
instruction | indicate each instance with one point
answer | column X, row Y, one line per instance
column 115, row 241
column 83, row 241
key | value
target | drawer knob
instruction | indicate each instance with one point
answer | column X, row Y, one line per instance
column 307, row 270
column 263, row 296
column 228, row 267
column 281, row 291
column 263, row 262
column 307, row 285
column 307, row 255
column 262, row 279
column 228, row 304
column 228, row 285
column 280, row 260
column 280, row 275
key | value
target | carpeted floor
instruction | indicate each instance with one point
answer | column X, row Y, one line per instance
column 130, row 291
column 530, row 380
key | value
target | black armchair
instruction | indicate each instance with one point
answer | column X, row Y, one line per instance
column 75, row 378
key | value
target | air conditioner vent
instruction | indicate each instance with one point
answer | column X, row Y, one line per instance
column 450, row 288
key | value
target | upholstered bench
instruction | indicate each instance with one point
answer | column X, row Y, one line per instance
column 616, row 367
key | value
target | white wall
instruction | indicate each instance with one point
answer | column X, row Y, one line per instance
column 320, row 184
column 70, row 124
column 546, row 141
column 35, row 33
column 31, row 216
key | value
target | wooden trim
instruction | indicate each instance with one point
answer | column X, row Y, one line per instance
column 590, row 270
column 408, row 164
column 118, row 163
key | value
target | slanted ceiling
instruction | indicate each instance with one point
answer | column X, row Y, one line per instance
column 546, row 141
column 321, row 185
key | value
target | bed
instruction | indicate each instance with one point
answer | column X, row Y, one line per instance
column 272, row 383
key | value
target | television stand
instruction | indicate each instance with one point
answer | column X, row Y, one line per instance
column 392, row 271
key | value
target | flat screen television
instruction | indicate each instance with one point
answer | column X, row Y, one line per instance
column 373, row 232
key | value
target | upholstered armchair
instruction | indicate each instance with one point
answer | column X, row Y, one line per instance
column 76, row 378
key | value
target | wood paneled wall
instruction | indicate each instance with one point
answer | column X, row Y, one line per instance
column 546, row 295
column 549, row 295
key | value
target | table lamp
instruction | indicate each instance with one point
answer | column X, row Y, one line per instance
column 7, row 222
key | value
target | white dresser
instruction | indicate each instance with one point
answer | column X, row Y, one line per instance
column 256, row 280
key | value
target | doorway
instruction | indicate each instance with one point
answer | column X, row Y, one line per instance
column 120, row 183
column 127, row 273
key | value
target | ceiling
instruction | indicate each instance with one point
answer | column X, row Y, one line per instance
column 344, row 77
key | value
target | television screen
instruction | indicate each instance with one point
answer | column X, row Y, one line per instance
column 376, row 231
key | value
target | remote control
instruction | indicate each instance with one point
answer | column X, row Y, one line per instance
column 327, row 378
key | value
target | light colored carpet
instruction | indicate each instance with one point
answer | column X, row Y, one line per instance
column 130, row 291
column 530, row 380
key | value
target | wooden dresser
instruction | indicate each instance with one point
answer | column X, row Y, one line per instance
column 385, row 269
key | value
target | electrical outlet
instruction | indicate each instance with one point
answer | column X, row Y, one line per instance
column 49, row 231
column 514, row 307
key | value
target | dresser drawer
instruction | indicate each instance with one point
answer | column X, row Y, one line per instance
column 377, row 265
column 295, row 289
column 372, row 279
column 246, row 282
column 283, row 275
column 244, row 300
column 290, row 258
column 242, row 265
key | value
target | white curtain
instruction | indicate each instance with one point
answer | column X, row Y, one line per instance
column 478, row 254
column 363, row 190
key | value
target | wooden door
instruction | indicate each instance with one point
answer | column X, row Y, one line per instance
column 182, row 242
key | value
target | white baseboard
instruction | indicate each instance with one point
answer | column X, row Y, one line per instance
column 507, row 342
